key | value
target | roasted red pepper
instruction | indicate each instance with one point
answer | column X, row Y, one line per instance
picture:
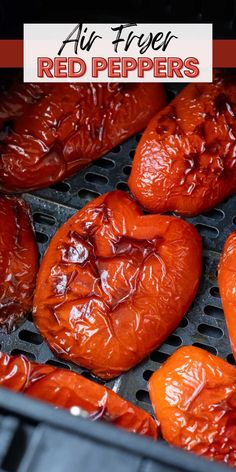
column 69, row 390
column 227, row 286
column 186, row 159
column 18, row 99
column 114, row 283
column 67, row 126
column 18, row 262
column 194, row 398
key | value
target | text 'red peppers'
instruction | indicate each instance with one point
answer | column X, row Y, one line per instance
column 114, row 283
column 18, row 262
column 194, row 398
column 67, row 126
column 186, row 159
column 69, row 390
column 227, row 286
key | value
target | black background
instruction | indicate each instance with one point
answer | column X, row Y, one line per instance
column 13, row 13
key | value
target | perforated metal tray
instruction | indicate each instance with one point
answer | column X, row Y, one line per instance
column 203, row 325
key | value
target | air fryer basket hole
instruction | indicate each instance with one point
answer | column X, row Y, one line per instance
column 215, row 214
column 42, row 238
column 214, row 312
column 122, row 186
column 143, row 396
column 214, row 291
column 158, row 356
column 44, row 219
column 55, row 363
column 96, row 178
column 105, row 163
column 87, row 194
column 127, row 170
column 147, row 374
column 18, row 352
column 30, row 337
column 61, row 187
column 174, row 340
column 210, row 331
column 230, row 359
column 208, row 348
column 207, row 231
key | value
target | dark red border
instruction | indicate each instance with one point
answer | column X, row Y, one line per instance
column 224, row 53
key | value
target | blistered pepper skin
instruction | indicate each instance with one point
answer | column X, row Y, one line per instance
column 186, row 159
column 68, row 126
column 194, row 398
column 18, row 262
column 114, row 283
column 66, row 389
column 227, row 286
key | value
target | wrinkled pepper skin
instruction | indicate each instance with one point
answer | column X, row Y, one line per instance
column 186, row 159
column 194, row 398
column 18, row 262
column 18, row 99
column 227, row 286
column 66, row 389
column 114, row 283
column 68, row 126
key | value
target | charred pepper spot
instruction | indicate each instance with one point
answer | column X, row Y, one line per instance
column 214, row 147
column 161, row 129
column 200, row 130
column 168, row 123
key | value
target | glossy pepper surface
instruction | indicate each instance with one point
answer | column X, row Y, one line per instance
column 18, row 99
column 194, row 398
column 114, row 283
column 227, row 286
column 67, row 126
column 69, row 390
column 18, row 262
column 186, row 159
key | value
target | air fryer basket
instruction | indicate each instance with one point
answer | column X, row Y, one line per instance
column 35, row 435
column 203, row 325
